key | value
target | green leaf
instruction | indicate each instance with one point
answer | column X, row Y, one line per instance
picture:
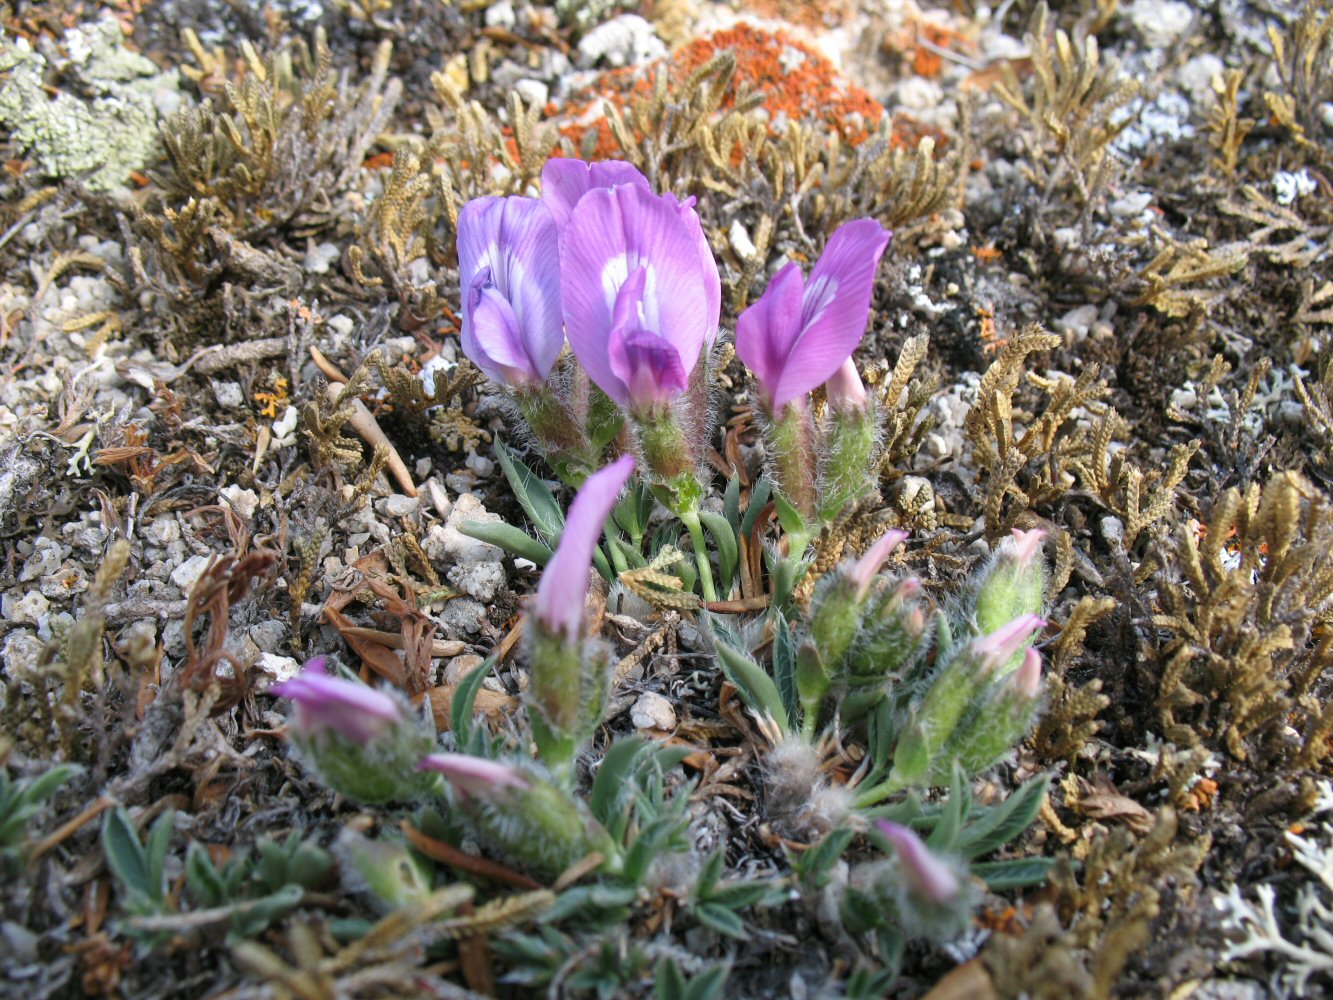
column 202, row 876
column 728, row 553
column 720, row 919
column 35, row 791
column 517, row 543
column 709, row 874
column 462, row 709
column 784, row 666
column 533, row 496
column 613, row 786
column 1015, row 874
column 1002, row 823
column 708, row 984
column 731, row 504
column 124, row 853
column 814, row 865
column 669, row 981
column 788, row 516
column 945, row 835
column 758, row 501
column 737, row 895
column 159, row 842
column 756, row 687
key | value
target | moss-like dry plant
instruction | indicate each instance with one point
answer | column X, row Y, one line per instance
column 1245, row 601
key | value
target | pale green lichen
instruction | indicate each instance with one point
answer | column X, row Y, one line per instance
column 105, row 135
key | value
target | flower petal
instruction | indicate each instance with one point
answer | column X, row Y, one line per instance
column 476, row 776
column 648, row 364
column 565, row 181
column 516, row 239
column 928, row 876
column 846, row 392
column 712, row 280
column 614, row 232
column 563, row 589
column 864, row 569
column 835, row 308
column 354, row 710
column 767, row 331
column 491, row 337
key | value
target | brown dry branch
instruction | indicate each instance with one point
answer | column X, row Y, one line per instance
column 223, row 583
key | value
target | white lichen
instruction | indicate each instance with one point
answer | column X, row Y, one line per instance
column 1302, row 941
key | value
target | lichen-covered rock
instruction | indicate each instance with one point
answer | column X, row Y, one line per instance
column 104, row 125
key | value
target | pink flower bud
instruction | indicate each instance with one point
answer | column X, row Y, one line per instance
column 1028, row 677
column 354, row 710
column 846, row 392
column 475, row 776
column 563, row 589
column 1006, row 640
column 1027, row 544
column 863, row 572
column 927, row 876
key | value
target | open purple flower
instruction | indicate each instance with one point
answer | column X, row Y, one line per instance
column 350, row 709
column 636, row 293
column 799, row 333
column 509, row 269
column 565, row 181
column 563, row 589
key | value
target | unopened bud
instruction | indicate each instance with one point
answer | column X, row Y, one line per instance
column 363, row 743
column 1013, row 584
column 531, row 820
column 929, row 877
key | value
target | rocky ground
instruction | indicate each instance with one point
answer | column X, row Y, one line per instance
column 1109, row 288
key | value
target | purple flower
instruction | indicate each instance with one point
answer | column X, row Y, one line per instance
column 927, row 876
column 563, row 589
column 509, row 269
column 565, row 181
column 351, row 709
column 475, row 776
column 636, row 292
column 799, row 333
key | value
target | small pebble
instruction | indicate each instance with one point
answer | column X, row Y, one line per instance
column 652, row 711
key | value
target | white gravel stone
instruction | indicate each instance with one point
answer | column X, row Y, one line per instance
column 243, row 502
column 20, row 652
column 652, row 711
column 188, row 573
column 1196, row 78
column 163, row 531
column 1077, row 322
column 228, row 395
column 275, row 669
column 398, row 505
column 622, row 41
column 446, row 544
column 479, row 579
column 24, row 609
column 1160, row 23
column 44, row 559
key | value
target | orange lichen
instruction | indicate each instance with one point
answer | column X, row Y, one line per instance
column 274, row 400
column 797, row 83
